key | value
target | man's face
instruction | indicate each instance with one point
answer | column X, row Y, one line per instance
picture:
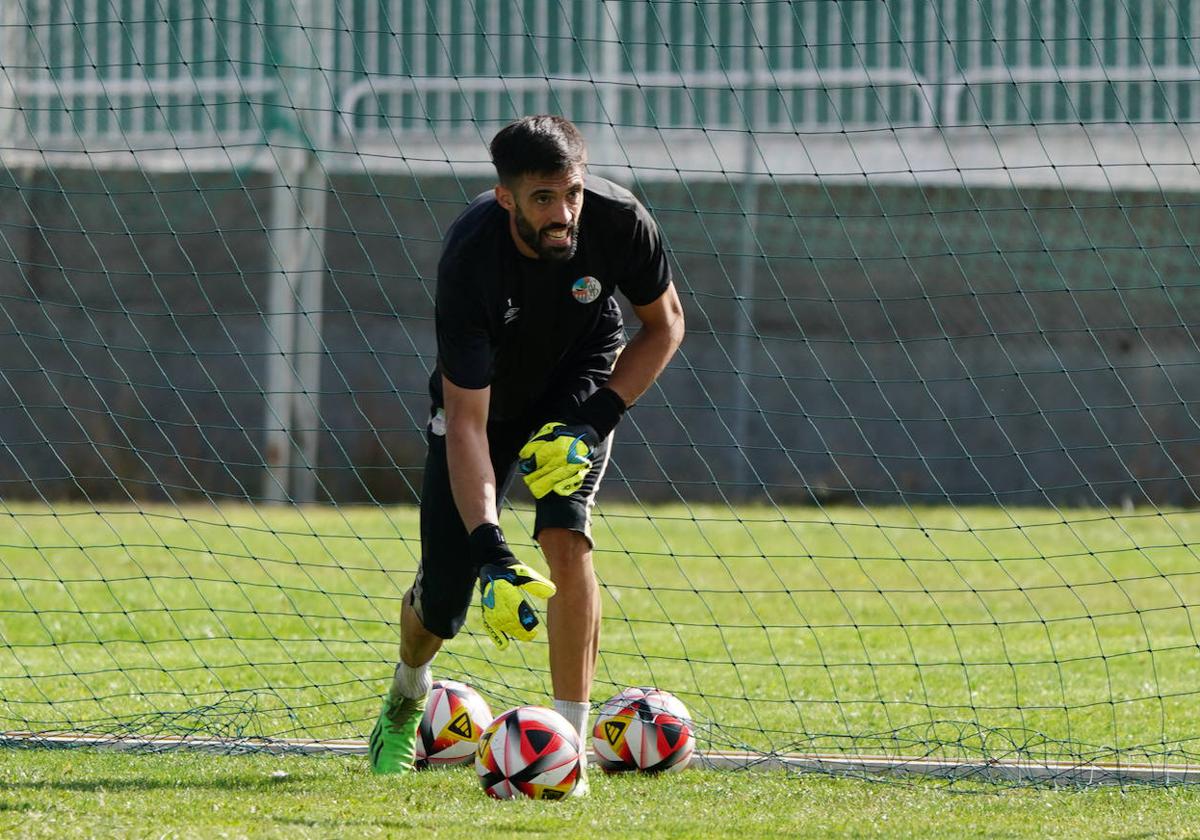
column 544, row 211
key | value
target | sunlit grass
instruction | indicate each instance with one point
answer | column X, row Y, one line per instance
column 804, row 628
column 56, row 794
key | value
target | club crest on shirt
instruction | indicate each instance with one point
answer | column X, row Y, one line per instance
column 585, row 289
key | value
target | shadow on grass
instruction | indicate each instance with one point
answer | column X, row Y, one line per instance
column 230, row 783
column 342, row 822
column 18, row 806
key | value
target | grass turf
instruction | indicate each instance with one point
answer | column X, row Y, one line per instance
column 1061, row 634
column 63, row 794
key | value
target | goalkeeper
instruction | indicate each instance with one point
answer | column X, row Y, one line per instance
column 528, row 382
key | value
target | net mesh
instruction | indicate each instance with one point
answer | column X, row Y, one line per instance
column 918, row 485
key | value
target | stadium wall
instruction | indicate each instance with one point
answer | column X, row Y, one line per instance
column 889, row 344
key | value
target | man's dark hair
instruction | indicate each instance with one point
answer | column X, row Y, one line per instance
column 539, row 144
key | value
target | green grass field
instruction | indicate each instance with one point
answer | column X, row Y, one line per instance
column 62, row 794
column 1059, row 634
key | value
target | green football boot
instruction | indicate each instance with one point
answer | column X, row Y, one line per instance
column 394, row 738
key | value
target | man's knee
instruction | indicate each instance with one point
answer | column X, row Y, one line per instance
column 567, row 542
column 568, row 553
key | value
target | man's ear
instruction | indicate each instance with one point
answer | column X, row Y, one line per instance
column 504, row 197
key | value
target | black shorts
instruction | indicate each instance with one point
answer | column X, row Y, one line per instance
column 447, row 579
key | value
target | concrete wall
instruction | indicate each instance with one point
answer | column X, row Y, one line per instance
column 894, row 344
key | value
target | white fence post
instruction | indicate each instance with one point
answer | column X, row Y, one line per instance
column 297, row 246
column 744, row 341
column 14, row 59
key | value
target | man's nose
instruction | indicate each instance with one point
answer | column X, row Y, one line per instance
column 562, row 214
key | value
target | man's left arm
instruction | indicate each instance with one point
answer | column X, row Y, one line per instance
column 648, row 352
column 557, row 458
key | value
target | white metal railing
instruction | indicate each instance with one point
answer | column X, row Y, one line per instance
column 1034, row 90
column 98, row 77
column 692, row 85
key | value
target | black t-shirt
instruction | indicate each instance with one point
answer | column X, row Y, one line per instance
column 524, row 326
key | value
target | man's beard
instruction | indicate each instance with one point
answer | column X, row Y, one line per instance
column 545, row 248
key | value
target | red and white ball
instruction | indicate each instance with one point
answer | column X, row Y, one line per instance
column 455, row 718
column 529, row 751
column 643, row 729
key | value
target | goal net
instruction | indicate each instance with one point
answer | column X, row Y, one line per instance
column 918, row 489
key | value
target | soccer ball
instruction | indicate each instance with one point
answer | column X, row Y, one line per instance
column 529, row 751
column 455, row 717
column 643, row 729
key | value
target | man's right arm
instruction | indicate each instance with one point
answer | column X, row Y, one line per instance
column 472, row 479
column 503, row 581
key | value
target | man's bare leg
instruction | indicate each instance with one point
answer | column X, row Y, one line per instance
column 573, row 619
column 417, row 645
column 393, row 740
column 573, row 614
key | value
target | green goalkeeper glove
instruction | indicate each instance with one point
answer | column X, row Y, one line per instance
column 504, row 585
column 559, row 456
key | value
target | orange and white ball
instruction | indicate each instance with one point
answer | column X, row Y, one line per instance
column 529, row 751
column 455, row 718
column 643, row 729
